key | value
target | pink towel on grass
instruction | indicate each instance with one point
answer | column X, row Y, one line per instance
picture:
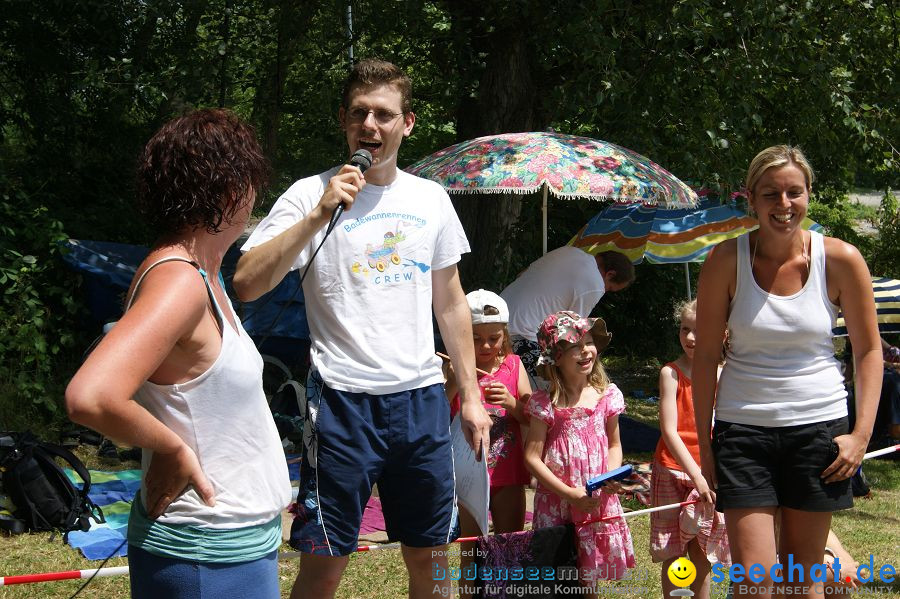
column 373, row 519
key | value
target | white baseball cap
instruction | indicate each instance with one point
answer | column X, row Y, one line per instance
column 480, row 299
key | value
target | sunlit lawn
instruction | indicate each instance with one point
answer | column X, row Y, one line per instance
column 872, row 527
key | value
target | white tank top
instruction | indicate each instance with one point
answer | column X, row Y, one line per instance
column 223, row 416
column 780, row 369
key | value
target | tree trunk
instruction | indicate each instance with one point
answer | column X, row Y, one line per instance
column 291, row 25
column 505, row 104
column 223, row 54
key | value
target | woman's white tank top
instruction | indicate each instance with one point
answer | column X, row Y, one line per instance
column 780, row 369
column 224, row 417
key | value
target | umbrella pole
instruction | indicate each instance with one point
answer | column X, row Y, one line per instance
column 350, row 31
column 544, row 220
column 687, row 279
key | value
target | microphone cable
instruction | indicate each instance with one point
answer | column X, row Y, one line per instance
column 97, row 570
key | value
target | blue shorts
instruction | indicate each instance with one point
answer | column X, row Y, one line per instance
column 401, row 441
column 153, row 576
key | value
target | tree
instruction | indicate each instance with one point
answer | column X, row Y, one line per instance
column 699, row 86
column 506, row 102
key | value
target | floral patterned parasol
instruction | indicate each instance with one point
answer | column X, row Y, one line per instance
column 570, row 166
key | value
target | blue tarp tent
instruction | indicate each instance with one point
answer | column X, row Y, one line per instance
column 108, row 268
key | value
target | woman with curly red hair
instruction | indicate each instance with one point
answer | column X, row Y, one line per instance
column 179, row 377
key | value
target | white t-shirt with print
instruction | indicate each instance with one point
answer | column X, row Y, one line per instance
column 566, row 278
column 368, row 292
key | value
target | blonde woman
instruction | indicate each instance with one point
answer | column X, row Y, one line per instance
column 781, row 437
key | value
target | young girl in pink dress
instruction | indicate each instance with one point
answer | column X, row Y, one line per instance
column 505, row 391
column 573, row 437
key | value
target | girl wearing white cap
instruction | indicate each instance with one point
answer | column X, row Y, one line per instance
column 505, row 391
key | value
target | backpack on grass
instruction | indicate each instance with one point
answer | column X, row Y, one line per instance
column 44, row 497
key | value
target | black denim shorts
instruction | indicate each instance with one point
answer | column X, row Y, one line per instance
column 763, row 466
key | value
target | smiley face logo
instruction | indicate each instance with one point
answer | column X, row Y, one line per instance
column 682, row 572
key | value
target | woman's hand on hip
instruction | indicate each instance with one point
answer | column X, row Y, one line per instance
column 169, row 475
column 851, row 448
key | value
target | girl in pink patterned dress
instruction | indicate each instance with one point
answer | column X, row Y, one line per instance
column 573, row 437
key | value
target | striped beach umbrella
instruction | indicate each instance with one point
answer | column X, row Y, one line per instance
column 887, row 306
column 666, row 235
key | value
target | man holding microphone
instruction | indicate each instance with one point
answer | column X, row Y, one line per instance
column 376, row 410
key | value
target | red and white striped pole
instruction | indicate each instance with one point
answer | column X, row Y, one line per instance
column 121, row 570
column 878, row 452
column 67, row 575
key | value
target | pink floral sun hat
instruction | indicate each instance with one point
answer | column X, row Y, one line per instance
column 568, row 326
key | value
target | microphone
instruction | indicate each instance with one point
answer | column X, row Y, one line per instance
column 361, row 159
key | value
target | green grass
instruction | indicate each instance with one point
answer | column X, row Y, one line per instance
column 872, row 527
column 639, row 382
column 37, row 553
column 634, row 377
column 642, row 410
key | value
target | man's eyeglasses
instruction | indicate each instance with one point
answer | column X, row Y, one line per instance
column 382, row 116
